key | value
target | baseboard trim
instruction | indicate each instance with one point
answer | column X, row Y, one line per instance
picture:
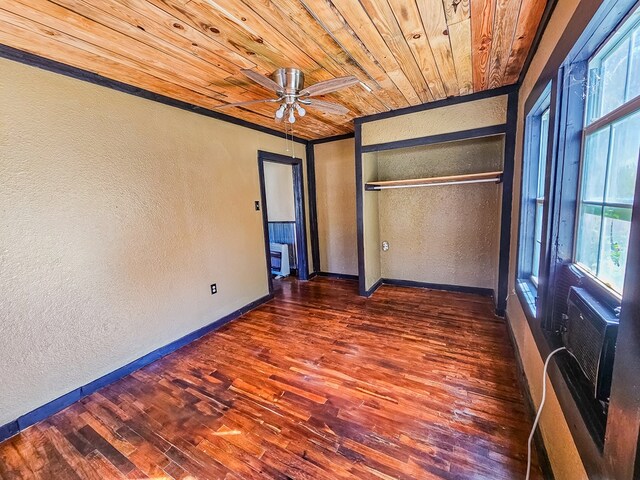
column 543, row 456
column 12, row 428
column 486, row 292
column 342, row 276
column 373, row 288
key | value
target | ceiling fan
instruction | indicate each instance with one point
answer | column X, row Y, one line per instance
column 288, row 84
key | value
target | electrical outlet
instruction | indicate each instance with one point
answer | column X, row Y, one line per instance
column 257, row 204
column 214, row 289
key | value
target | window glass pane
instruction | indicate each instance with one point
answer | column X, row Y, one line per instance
column 613, row 78
column 624, row 160
column 542, row 156
column 614, row 73
column 634, row 75
column 537, row 240
column 614, row 246
column 595, row 165
column 588, row 236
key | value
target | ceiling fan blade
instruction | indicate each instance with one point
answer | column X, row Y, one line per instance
column 263, row 80
column 329, row 86
column 242, row 104
column 328, row 107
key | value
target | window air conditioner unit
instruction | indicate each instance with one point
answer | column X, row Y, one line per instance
column 590, row 334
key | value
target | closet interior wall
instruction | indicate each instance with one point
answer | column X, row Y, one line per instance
column 445, row 235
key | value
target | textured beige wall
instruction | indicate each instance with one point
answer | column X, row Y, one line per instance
column 278, row 182
column 116, row 213
column 454, row 118
column 447, row 234
column 371, row 222
column 564, row 457
column 336, row 203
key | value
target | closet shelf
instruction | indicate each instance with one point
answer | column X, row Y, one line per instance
column 486, row 177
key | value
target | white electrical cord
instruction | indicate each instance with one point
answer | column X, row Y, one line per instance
column 544, row 397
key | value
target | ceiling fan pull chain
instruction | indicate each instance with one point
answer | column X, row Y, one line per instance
column 293, row 145
column 286, row 141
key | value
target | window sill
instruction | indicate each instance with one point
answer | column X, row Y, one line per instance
column 527, row 294
column 583, row 414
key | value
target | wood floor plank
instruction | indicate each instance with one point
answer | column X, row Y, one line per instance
column 317, row 384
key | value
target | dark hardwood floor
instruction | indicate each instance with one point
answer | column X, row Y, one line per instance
column 316, row 384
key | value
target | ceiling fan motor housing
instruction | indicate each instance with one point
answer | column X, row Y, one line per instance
column 291, row 80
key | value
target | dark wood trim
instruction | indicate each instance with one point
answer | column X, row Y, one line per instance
column 64, row 401
column 440, row 138
column 265, row 223
column 507, row 194
column 552, row 195
column 542, row 26
column 56, row 67
column 373, row 288
column 486, row 292
column 526, row 206
column 341, row 276
column 360, row 210
column 313, row 208
column 437, row 104
column 335, row 138
column 541, row 450
column 301, row 222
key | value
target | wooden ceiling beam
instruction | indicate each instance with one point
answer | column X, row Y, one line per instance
column 531, row 12
column 460, row 37
column 381, row 14
column 358, row 21
column 504, row 27
column 437, row 32
column 482, row 15
column 457, row 10
column 158, row 22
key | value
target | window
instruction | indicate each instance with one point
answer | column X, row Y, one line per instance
column 533, row 194
column 537, row 231
column 611, row 146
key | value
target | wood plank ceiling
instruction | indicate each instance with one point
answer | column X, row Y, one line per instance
column 407, row 52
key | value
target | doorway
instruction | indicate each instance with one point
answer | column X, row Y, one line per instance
column 283, row 216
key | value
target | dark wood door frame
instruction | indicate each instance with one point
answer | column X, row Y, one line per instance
column 301, row 220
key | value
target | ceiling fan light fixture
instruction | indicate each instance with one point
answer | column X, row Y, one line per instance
column 288, row 84
column 366, row 87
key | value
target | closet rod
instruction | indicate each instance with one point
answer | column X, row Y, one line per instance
column 457, row 182
column 484, row 177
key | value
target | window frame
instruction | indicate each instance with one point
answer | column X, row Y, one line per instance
column 591, row 126
column 527, row 286
column 541, row 196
